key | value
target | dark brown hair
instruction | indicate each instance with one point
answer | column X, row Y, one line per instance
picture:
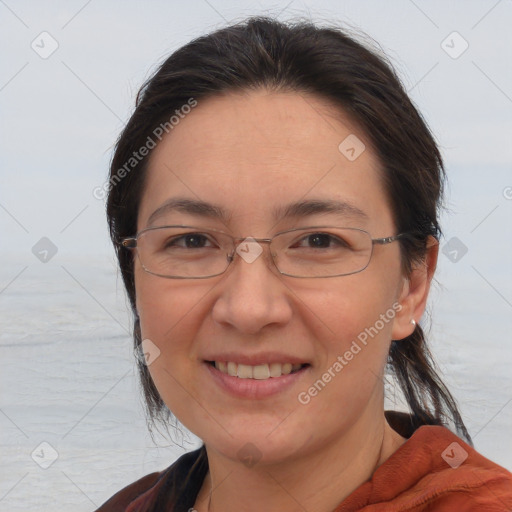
column 326, row 62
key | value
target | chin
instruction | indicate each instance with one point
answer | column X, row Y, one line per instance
column 262, row 443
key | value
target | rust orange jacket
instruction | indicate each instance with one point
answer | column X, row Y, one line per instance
column 433, row 471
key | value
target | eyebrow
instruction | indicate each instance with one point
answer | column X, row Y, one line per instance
column 319, row 206
column 292, row 210
column 190, row 206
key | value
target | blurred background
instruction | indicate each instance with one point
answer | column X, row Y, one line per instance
column 72, row 427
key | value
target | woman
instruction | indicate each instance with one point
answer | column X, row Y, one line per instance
column 274, row 206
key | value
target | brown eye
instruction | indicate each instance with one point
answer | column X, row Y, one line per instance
column 322, row 241
column 189, row 241
column 319, row 240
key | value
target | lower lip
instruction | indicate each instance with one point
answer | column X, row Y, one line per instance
column 254, row 388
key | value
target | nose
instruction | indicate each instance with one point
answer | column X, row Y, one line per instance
column 252, row 294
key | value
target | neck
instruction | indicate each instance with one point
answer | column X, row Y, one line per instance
column 320, row 480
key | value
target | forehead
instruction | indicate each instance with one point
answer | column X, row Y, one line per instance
column 256, row 151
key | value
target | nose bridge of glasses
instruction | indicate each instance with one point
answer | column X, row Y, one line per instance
column 239, row 239
column 248, row 248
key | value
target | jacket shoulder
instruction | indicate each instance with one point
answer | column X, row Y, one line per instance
column 447, row 474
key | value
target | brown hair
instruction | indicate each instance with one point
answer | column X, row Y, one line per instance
column 328, row 63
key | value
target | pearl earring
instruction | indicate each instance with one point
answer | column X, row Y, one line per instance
column 413, row 322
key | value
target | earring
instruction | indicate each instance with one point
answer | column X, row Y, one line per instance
column 413, row 322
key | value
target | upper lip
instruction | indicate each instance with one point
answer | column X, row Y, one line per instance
column 255, row 359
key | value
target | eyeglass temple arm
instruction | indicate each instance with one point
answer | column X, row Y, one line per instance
column 388, row 239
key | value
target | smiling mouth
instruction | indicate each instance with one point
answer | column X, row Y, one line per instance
column 258, row 372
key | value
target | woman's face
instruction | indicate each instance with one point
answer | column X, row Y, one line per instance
column 249, row 155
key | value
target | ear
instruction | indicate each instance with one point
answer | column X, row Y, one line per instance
column 414, row 292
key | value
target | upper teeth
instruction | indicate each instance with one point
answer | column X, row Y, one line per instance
column 260, row 371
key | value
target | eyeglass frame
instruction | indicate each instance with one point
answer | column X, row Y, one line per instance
column 126, row 241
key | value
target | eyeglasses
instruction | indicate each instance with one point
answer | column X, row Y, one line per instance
column 187, row 252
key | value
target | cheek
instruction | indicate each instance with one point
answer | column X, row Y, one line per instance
column 162, row 303
column 357, row 318
column 350, row 374
column 167, row 310
column 356, row 303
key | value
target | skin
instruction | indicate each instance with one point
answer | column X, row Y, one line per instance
column 249, row 153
